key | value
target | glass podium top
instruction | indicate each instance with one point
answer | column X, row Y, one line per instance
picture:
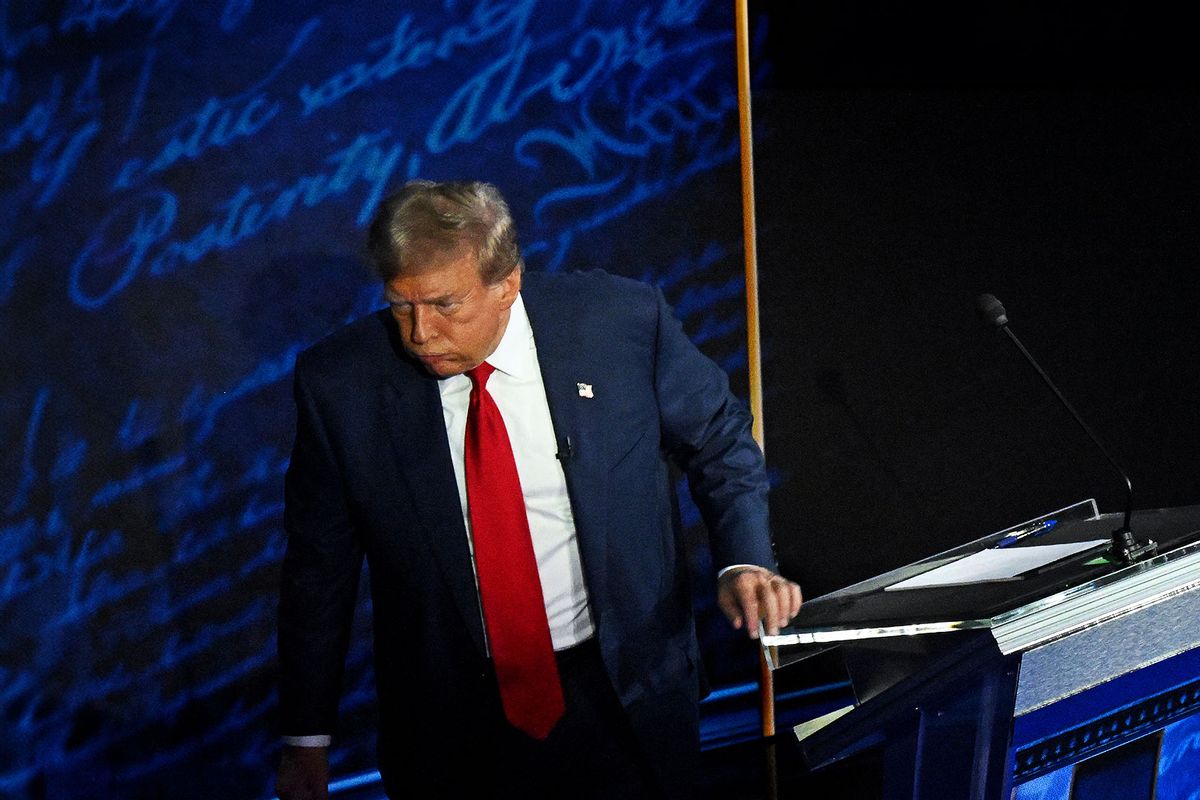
column 1024, row 584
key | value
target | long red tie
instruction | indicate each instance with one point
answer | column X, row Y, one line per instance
column 509, row 587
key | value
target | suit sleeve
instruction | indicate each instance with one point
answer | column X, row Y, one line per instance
column 319, row 584
column 707, row 432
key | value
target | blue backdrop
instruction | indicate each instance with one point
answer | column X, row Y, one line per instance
column 184, row 187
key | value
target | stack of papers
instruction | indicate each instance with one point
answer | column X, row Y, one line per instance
column 995, row 564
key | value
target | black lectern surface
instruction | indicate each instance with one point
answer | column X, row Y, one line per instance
column 879, row 607
column 1049, row 655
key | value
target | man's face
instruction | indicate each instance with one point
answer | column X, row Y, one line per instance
column 449, row 319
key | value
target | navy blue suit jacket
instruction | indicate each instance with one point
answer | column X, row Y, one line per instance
column 371, row 475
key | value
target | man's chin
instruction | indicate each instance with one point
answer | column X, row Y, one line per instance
column 440, row 366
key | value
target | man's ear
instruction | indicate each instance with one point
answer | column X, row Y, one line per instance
column 510, row 285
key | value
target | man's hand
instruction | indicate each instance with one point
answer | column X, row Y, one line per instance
column 748, row 594
column 303, row 773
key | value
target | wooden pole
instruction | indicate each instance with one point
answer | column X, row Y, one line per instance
column 753, row 350
column 748, row 224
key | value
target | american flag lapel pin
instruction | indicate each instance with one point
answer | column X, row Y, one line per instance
column 585, row 390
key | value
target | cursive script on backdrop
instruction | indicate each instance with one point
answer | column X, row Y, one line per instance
column 185, row 188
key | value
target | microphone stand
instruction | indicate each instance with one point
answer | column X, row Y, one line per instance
column 1125, row 547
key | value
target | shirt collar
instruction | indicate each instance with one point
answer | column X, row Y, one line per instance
column 515, row 355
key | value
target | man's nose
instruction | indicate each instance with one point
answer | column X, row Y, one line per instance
column 422, row 327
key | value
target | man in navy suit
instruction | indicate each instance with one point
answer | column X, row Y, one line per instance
column 600, row 392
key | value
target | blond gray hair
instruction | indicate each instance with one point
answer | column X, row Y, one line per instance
column 426, row 218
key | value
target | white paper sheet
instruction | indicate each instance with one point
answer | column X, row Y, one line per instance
column 995, row 565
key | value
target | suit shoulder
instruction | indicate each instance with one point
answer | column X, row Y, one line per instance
column 592, row 289
column 357, row 343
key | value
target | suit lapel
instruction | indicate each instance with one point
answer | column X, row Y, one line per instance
column 559, row 347
column 413, row 410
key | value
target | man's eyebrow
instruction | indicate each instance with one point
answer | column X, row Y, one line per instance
column 391, row 299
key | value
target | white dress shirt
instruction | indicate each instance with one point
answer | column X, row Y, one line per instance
column 517, row 388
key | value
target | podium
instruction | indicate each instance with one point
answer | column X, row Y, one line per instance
column 1024, row 664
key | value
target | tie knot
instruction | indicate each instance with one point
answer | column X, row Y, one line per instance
column 479, row 375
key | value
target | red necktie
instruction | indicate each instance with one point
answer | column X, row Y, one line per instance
column 509, row 587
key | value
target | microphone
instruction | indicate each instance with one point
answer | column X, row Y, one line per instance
column 564, row 450
column 1125, row 546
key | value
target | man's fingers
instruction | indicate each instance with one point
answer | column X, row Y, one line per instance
column 788, row 601
column 754, row 594
column 796, row 597
column 747, row 598
column 768, row 605
column 731, row 608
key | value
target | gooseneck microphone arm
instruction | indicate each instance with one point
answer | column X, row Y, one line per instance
column 1126, row 548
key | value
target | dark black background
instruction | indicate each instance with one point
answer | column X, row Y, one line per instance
column 910, row 158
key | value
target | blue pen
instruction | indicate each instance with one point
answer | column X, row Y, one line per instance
column 1036, row 529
